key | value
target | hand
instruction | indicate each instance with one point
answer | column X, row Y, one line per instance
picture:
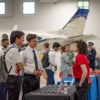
column 40, row 72
column 36, row 73
column 80, row 84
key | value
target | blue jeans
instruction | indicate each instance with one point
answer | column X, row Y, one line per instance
column 3, row 91
column 50, row 77
column 64, row 74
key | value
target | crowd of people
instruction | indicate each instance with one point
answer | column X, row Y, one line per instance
column 25, row 67
column 77, row 62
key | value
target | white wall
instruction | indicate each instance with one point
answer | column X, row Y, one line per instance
column 49, row 16
column 93, row 20
column 93, row 23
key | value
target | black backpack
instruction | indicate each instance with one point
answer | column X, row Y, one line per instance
column 3, row 68
column 45, row 59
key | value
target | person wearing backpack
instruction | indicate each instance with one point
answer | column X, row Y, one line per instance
column 14, row 64
column 3, row 89
column 45, row 58
column 52, row 66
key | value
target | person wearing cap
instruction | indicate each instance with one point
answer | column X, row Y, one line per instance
column 91, row 55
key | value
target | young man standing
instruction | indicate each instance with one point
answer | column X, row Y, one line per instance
column 3, row 89
column 53, row 66
column 14, row 64
column 32, row 65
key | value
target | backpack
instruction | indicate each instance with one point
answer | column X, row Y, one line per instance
column 45, row 60
column 3, row 68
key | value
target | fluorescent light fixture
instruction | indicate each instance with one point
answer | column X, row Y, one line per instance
column 2, row 8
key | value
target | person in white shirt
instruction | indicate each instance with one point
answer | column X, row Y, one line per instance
column 32, row 65
column 3, row 88
column 53, row 66
column 14, row 64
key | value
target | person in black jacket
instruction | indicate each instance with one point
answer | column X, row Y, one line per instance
column 91, row 55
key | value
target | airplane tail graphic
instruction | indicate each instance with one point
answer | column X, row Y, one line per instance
column 76, row 24
column 15, row 27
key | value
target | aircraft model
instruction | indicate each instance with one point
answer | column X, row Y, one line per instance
column 72, row 31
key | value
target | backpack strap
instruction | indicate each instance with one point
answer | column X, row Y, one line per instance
column 4, row 58
column 8, row 50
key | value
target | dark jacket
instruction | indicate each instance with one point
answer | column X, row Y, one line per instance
column 91, row 57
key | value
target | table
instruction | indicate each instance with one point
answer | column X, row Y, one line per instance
column 93, row 92
column 37, row 95
column 98, row 84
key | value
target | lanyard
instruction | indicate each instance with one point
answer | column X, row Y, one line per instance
column 16, row 47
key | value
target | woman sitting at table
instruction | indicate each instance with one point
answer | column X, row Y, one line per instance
column 81, row 70
column 64, row 62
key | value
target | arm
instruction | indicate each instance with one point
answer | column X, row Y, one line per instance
column 20, row 65
column 84, row 74
column 17, row 58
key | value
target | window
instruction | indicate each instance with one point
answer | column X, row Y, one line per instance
column 83, row 4
column 2, row 8
column 28, row 8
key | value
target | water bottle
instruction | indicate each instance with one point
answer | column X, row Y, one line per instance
column 65, row 88
column 71, row 84
column 60, row 87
